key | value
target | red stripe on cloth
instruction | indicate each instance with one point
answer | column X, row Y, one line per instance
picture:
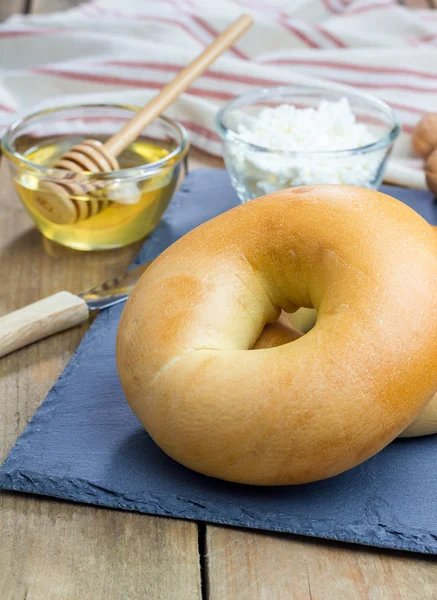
column 335, row 40
column 175, row 22
column 246, row 79
column 426, row 40
column 175, row 4
column 152, row 18
column 406, row 108
column 141, row 64
column 370, row 7
column 383, row 86
column 331, row 6
column 7, row 109
column 146, row 84
column 200, row 130
column 106, row 79
column 350, row 67
column 26, row 32
column 219, row 75
column 297, row 32
column 214, row 33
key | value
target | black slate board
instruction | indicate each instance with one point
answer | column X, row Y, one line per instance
column 84, row 444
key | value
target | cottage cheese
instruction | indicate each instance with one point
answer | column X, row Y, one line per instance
column 315, row 131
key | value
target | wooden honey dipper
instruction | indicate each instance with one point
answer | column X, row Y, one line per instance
column 54, row 197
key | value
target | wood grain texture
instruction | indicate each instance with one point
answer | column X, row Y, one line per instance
column 53, row 549
column 418, row 3
column 11, row 7
column 246, row 565
column 48, row 6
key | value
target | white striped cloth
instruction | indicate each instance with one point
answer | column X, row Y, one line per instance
column 123, row 51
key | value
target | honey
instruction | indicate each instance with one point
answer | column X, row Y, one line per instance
column 129, row 208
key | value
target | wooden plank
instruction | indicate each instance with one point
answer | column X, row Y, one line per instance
column 11, row 7
column 48, row 6
column 54, row 549
column 255, row 566
column 418, row 3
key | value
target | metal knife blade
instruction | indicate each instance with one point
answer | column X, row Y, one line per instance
column 114, row 290
column 62, row 310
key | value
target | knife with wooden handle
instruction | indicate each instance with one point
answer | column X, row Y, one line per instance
column 62, row 311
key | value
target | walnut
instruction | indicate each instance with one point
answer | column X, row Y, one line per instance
column 431, row 171
column 425, row 135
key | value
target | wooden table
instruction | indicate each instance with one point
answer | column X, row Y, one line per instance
column 56, row 550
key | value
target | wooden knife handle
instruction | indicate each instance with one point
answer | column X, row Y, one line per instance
column 41, row 319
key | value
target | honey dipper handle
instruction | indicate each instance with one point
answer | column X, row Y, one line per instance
column 118, row 142
column 41, row 319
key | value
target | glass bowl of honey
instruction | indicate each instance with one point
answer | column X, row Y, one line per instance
column 111, row 209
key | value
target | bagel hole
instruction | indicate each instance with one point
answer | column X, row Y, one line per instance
column 303, row 319
column 289, row 328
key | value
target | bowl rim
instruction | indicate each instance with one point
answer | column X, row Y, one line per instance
column 385, row 141
column 173, row 158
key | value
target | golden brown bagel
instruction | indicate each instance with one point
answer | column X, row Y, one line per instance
column 282, row 332
column 277, row 334
column 304, row 410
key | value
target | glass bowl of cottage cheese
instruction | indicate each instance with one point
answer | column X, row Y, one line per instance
column 276, row 138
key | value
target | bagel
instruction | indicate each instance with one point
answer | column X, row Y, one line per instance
column 310, row 408
column 290, row 327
